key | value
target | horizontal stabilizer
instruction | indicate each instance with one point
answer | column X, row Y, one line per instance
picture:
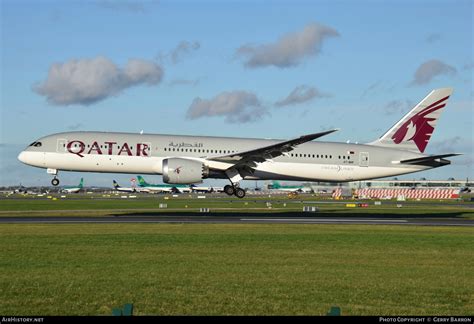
column 431, row 160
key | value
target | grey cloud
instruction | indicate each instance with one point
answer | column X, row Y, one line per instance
column 75, row 126
column 126, row 5
column 398, row 107
column 236, row 106
column 290, row 50
column 371, row 88
column 184, row 82
column 183, row 48
column 300, row 94
column 453, row 144
column 86, row 81
column 430, row 69
column 432, row 38
column 468, row 66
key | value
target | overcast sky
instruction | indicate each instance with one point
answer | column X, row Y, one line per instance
column 276, row 69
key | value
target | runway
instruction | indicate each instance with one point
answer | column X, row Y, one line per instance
column 243, row 219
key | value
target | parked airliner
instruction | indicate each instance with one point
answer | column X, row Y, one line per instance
column 74, row 189
column 190, row 159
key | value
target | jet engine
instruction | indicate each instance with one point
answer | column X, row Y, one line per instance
column 176, row 170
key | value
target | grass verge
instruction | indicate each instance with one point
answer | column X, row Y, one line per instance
column 217, row 269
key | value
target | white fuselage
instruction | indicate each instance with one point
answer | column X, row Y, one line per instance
column 144, row 154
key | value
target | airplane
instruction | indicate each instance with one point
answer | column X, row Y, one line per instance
column 20, row 190
column 73, row 189
column 277, row 186
column 206, row 189
column 162, row 187
column 123, row 189
column 190, row 159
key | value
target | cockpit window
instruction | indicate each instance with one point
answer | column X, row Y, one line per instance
column 36, row 144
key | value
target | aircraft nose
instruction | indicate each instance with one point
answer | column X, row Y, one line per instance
column 22, row 157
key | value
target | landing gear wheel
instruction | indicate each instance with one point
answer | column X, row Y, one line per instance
column 239, row 192
column 55, row 182
column 228, row 189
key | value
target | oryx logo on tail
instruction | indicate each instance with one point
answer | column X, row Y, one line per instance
column 419, row 128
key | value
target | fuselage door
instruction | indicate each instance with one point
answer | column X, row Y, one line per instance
column 62, row 143
column 364, row 159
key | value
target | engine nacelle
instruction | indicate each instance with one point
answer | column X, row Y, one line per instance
column 176, row 170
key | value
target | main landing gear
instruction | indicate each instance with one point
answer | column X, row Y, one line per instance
column 55, row 181
column 234, row 190
column 234, row 178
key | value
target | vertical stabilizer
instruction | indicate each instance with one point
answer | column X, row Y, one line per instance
column 414, row 130
column 142, row 182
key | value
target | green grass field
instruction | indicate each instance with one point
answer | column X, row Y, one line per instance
column 98, row 206
column 210, row 269
column 202, row 269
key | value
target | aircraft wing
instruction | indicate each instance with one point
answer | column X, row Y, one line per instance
column 252, row 157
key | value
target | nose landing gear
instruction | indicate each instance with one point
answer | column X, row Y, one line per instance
column 54, row 172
